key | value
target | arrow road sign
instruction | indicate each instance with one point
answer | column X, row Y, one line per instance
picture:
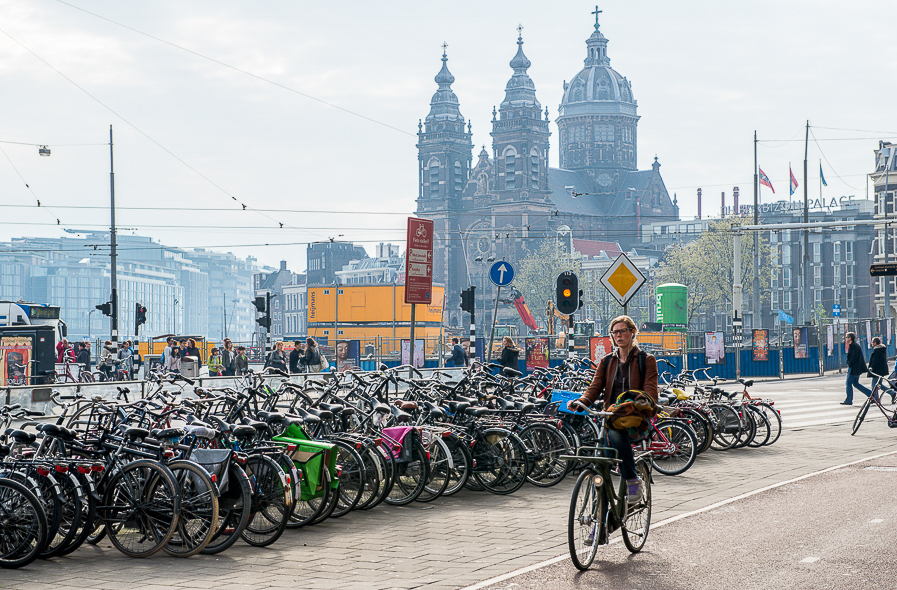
column 501, row 273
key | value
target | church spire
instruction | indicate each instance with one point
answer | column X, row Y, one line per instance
column 520, row 90
column 597, row 45
column 444, row 106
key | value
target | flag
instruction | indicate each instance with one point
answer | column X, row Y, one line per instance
column 821, row 177
column 793, row 180
column 764, row 180
column 784, row 317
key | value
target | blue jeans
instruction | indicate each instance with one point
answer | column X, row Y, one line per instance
column 619, row 440
column 854, row 381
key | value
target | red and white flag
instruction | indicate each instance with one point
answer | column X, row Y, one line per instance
column 793, row 180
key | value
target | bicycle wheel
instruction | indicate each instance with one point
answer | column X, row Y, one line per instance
column 233, row 510
column 763, row 428
column 461, row 465
column 373, row 472
column 726, row 428
column 748, row 426
column 141, row 508
column 69, row 515
column 351, row 479
column 547, row 444
column 198, row 520
column 88, row 513
column 861, row 415
column 440, row 470
column 638, row 517
column 700, row 425
column 500, row 461
column 412, row 473
column 775, row 421
column 271, row 501
column 585, row 523
column 672, row 446
column 24, row 529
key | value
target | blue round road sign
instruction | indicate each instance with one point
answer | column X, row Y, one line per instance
column 501, row 273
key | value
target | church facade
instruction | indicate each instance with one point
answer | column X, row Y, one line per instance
column 505, row 203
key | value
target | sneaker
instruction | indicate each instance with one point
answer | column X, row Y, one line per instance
column 591, row 538
column 634, row 491
column 846, row 403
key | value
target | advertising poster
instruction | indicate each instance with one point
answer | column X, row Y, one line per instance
column 830, row 334
column 15, row 356
column 418, row 353
column 536, row 353
column 760, row 348
column 348, row 355
column 714, row 348
column 801, row 350
column 600, row 347
column 868, row 334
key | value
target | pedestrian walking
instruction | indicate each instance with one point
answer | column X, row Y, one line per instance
column 228, row 355
column 510, row 354
column 459, row 357
column 856, row 368
column 277, row 358
column 216, row 367
column 83, row 357
column 241, row 362
column 296, row 357
column 107, row 359
column 878, row 360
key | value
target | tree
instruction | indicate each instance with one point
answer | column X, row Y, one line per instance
column 537, row 274
column 706, row 267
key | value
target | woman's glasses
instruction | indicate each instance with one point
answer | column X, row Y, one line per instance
column 618, row 332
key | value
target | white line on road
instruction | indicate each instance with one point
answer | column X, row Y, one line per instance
column 673, row 519
column 809, row 559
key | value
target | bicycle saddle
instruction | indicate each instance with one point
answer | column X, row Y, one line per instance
column 200, row 430
column 476, row 412
column 135, row 433
column 433, row 409
column 406, row 405
column 509, row 372
column 258, row 425
column 306, row 417
column 525, row 407
column 457, row 407
column 747, row 383
column 468, row 400
column 57, row 431
column 400, row 415
column 322, row 414
column 244, row 431
column 271, row 416
column 21, row 436
column 168, row 432
column 666, row 399
column 504, row 404
column 335, row 409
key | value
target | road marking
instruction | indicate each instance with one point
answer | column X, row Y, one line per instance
column 877, row 520
column 809, row 559
column 673, row 519
column 877, row 468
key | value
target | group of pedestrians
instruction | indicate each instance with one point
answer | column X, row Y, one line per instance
column 304, row 358
column 117, row 361
column 856, row 365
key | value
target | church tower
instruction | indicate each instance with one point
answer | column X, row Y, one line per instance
column 598, row 120
column 520, row 138
column 444, row 149
column 445, row 152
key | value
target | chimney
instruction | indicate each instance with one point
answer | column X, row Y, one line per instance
column 283, row 265
column 699, row 203
column 735, row 198
column 722, row 211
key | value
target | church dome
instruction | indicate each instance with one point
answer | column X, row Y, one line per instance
column 444, row 106
column 598, row 88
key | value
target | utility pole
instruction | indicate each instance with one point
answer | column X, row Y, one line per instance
column 885, row 242
column 804, row 310
column 113, row 251
column 224, row 307
column 755, row 286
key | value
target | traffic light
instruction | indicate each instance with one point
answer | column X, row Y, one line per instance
column 263, row 304
column 105, row 308
column 568, row 293
column 467, row 299
column 141, row 314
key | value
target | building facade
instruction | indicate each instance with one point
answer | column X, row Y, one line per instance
column 884, row 179
column 502, row 206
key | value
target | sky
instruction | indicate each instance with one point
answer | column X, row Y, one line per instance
column 258, row 127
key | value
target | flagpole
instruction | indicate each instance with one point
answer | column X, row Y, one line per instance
column 757, row 319
column 806, row 274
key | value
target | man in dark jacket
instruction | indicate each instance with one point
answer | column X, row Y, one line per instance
column 458, row 358
column 295, row 356
column 83, row 357
column 856, row 368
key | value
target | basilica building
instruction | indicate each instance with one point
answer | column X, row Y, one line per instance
column 504, row 203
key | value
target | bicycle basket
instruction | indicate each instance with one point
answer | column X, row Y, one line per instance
column 214, row 461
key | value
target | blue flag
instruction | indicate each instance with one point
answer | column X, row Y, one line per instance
column 784, row 317
column 821, row 177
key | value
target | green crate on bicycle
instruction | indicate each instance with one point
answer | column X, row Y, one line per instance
column 312, row 457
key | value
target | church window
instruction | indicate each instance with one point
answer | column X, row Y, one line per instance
column 458, row 180
column 434, row 176
column 604, row 132
column 510, row 169
column 534, row 166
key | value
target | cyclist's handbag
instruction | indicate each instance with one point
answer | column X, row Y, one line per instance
column 632, row 412
column 215, row 462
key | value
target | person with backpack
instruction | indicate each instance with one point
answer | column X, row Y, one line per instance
column 459, row 357
column 313, row 358
column 626, row 369
column 856, row 368
column 510, row 354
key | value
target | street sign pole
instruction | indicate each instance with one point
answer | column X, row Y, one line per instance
column 492, row 332
column 411, row 354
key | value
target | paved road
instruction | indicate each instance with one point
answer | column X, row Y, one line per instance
column 833, row 530
column 468, row 538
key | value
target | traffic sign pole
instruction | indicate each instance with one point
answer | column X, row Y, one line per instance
column 492, row 331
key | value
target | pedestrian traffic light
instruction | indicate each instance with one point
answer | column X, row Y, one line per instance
column 568, row 293
column 263, row 305
column 105, row 308
column 467, row 299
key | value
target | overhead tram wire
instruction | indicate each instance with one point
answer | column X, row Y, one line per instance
column 140, row 131
column 824, row 157
column 28, row 187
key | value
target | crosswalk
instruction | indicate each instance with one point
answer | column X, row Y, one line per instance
column 823, row 408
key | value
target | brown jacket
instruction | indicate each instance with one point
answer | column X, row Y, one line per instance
column 607, row 368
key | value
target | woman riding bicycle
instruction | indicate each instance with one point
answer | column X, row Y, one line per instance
column 627, row 368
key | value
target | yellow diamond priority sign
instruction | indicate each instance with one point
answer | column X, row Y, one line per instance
column 623, row 279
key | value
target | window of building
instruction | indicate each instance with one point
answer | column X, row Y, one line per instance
column 326, row 332
column 458, row 180
column 817, row 296
column 326, row 291
column 836, row 275
column 848, row 251
column 849, row 275
column 775, row 278
column 786, row 277
column 786, row 300
column 786, row 253
column 786, row 236
column 510, row 169
column 774, row 300
column 773, row 237
column 534, row 167
column 837, row 251
column 817, row 253
column 604, row 132
column 434, row 176
column 817, row 276
column 849, row 298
